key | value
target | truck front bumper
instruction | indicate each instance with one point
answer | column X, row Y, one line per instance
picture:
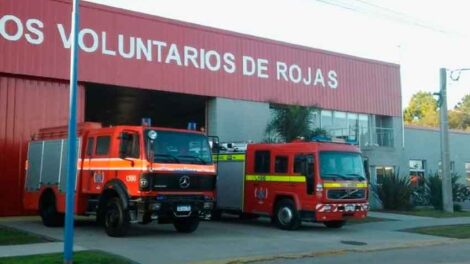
column 336, row 212
column 165, row 208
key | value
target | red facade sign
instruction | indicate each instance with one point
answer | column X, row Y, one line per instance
column 135, row 50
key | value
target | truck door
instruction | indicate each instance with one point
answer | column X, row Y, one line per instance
column 304, row 165
column 96, row 164
column 256, row 184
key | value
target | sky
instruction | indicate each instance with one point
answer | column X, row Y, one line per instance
column 422, row 36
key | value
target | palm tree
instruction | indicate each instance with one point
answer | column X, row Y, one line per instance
column 289, row 123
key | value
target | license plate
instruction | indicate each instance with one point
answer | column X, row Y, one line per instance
column 183, row 208
column 349, row 208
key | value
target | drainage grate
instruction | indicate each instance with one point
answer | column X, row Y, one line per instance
column 354, row 243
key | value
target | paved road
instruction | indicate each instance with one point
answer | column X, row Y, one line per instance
column 230, row 239
column 450, row 254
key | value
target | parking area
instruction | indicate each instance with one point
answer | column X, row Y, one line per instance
column 229, row 239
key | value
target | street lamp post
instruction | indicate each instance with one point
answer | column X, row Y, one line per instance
column 72, row 139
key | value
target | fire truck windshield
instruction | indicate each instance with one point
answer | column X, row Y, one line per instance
column 179, row 147
column 341, row 165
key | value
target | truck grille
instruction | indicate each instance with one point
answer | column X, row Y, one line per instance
column 346, row 194
column 181, row 182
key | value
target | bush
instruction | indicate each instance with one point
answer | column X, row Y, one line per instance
column 460, row 192
column 395, row 193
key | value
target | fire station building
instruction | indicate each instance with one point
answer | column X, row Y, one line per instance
column 133, row 65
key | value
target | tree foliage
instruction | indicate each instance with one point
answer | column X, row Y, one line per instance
column 459, row 118
column 422, row 110
column 290, row 122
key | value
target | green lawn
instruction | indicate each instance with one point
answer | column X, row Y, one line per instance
column 452, row 231
column 10, row 236
column 430, row 212
column 82, row 257
column 368, row 219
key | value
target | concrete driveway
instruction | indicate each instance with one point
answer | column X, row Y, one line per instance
column 231, row 239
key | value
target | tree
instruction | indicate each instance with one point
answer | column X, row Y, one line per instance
column 459, row 118
column 422, row 110
column 290, row 122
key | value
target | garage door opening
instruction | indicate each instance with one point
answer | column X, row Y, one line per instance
column 114, row 105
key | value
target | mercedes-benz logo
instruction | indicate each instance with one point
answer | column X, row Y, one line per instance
column 184, row 182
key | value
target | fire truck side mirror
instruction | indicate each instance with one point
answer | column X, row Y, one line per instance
column 366, row 168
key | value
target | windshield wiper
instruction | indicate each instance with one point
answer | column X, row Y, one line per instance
column 357, row 176
column 193, row 157
column 168, row 156
column 334, row 176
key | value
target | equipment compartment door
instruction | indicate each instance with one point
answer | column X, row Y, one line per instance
column 230, row 173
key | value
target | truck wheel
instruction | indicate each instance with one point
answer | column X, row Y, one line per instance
column 334, row 224
column 116, row 218
column 186, row 225
column 48, row 211
column 286, row 215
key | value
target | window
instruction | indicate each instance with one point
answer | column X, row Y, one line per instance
column 451, row 167
column 304, row 165
column 280, row 164
column 382, row 172
column 467, row 172
column 363, row 129
column 298, row 163
column 262, row 161
column 102, row 145
column 130, row 145
column 179, row 147
column 90, row 146
column 326, row 121
column 340, row 122
column 417, row 169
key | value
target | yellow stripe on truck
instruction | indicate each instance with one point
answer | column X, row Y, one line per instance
column 228, row 157
column 344, row 184
column 275, row 178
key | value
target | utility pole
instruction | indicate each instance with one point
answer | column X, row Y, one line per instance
column 447, row 200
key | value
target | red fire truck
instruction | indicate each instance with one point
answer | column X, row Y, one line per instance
column 126, row 174
column 314, row 181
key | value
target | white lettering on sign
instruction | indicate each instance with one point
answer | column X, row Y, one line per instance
column 92, row 40
column 32, row 34
column 126, row 46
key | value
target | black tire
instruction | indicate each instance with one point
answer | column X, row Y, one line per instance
column 186, row 225
column 286, row 215
column 116, row 218
column 334, row 224
column 48, row 211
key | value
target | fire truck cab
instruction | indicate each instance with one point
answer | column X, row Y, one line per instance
column 126, row 174
column 318, row 181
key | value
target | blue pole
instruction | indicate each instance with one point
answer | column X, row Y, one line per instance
column 72, row 139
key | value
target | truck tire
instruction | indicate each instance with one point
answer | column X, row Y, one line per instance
column 116, row 219
column 48, row 211
column 286, row 215
column 334, row 224
column 186, row 225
